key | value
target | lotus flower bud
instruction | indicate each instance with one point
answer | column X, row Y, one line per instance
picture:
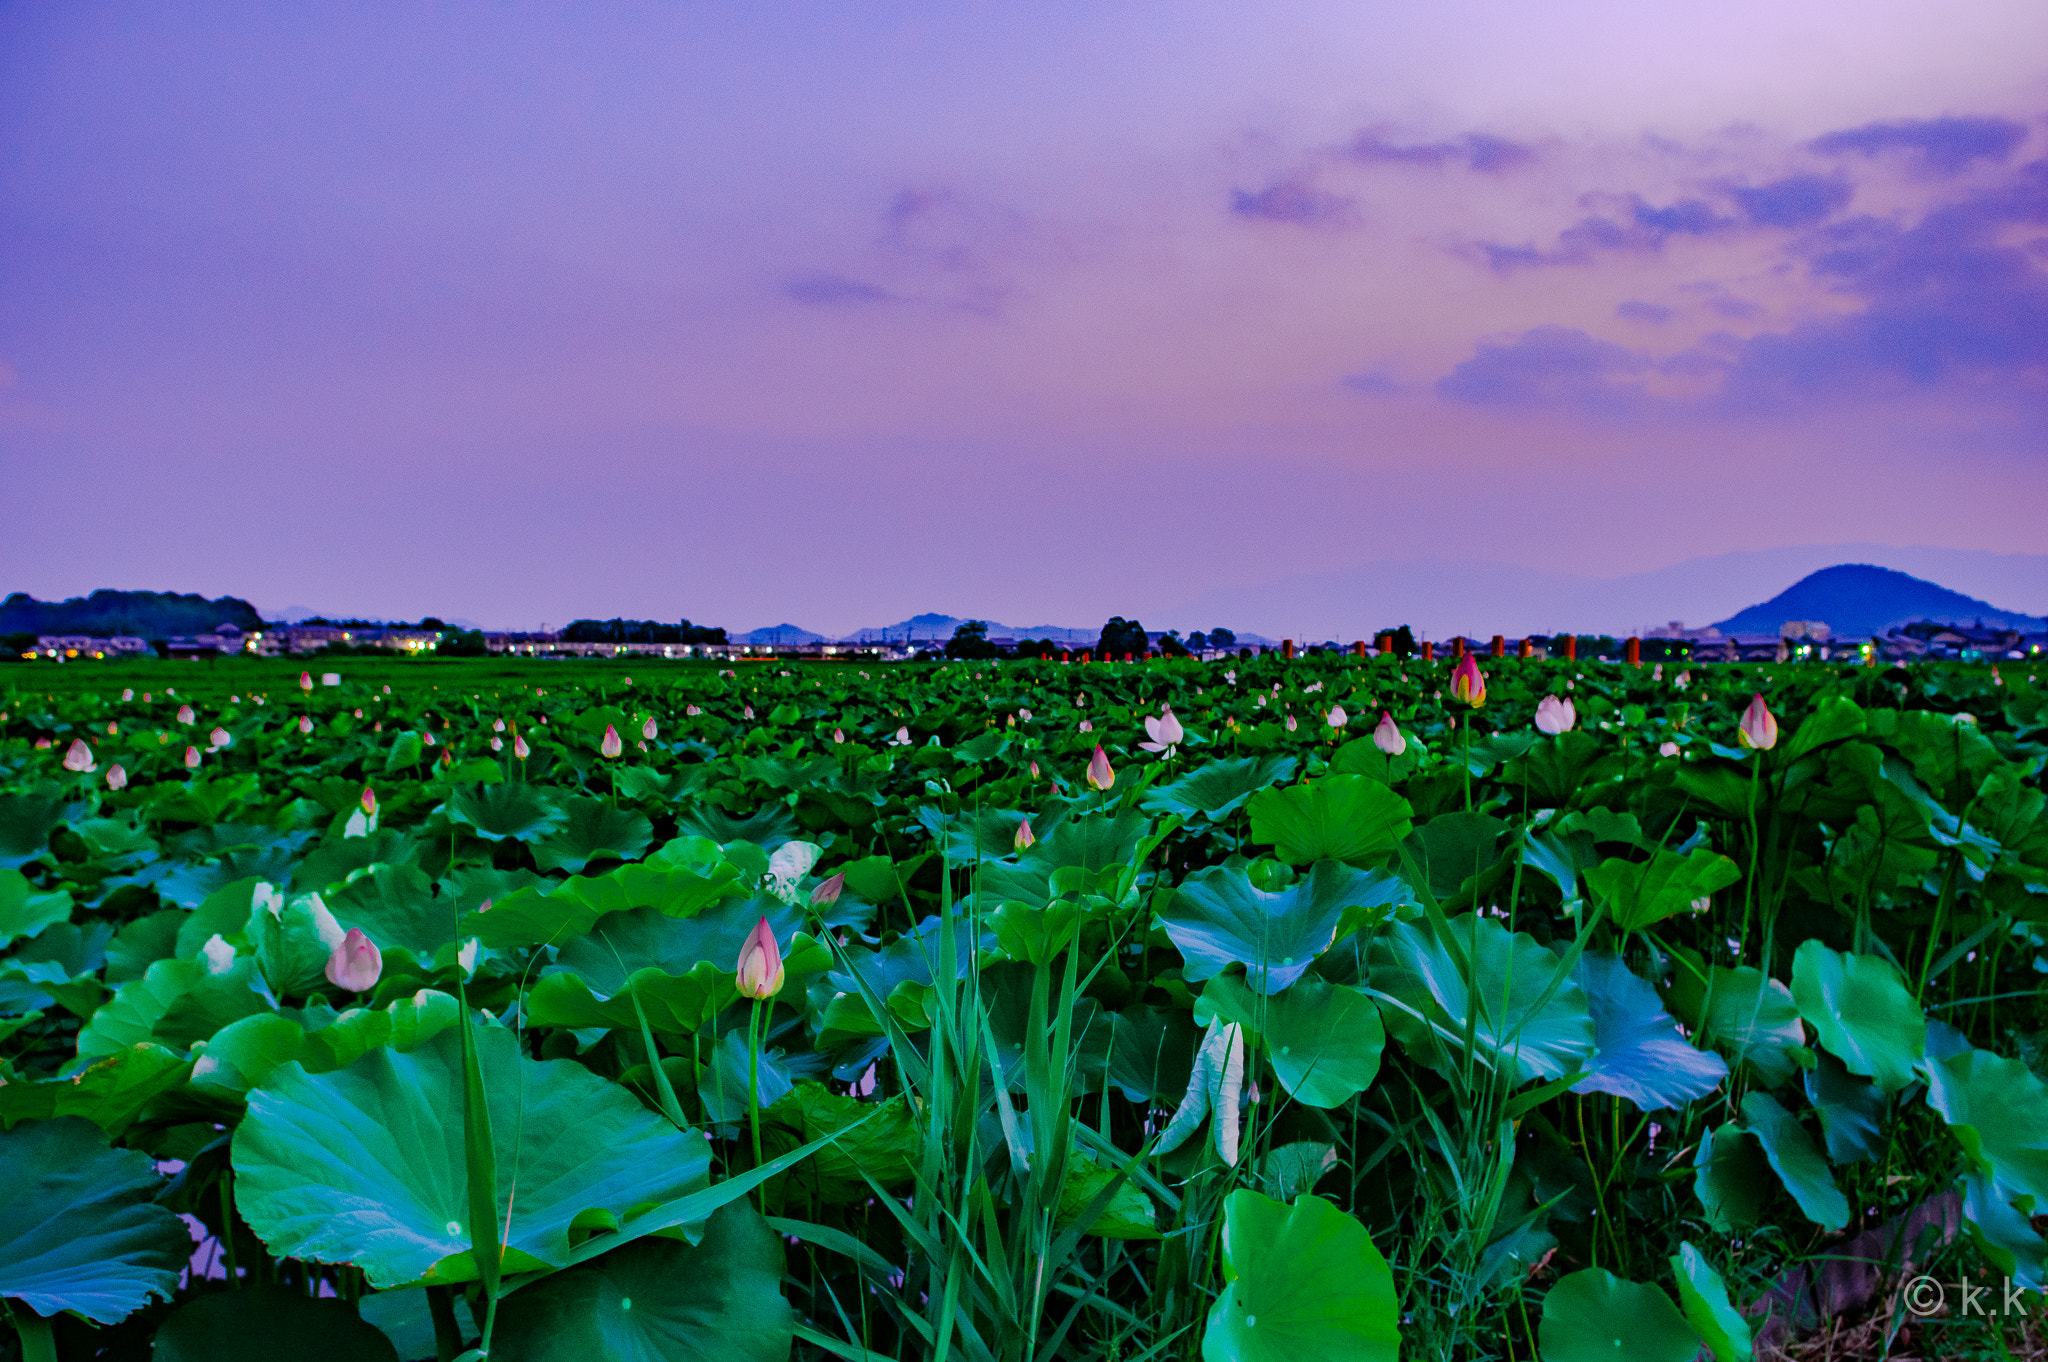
column 828, row 891
column 692, row 710
column 117, row 777
column 838, row 735
column 1758, row 728
column 305, row 680
column 219, row 737
column 1291, row 724
column 369, row 802
column 1555, row 716
column 747, row 713
column 1669, row 749
column 1336, row 718
column 520, row 749
column 355, row 963
column 185, row 714
column 192, row 758
column 497, row 744
column 127, row 695
column 78, row 757
column 1087, row 726
column 42, row 744
column 427, row 737
column 1024, row 837
column 1468, row 685
column 611, row 746
column 648, row 729
column 1100, row 777
column 1387, row 737
column 1034, row 768
column 497, row 725
column 760, row 963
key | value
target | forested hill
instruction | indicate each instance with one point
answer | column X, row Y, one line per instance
column 146, row 614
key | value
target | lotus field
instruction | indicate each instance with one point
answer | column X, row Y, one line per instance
column 1256, row 1011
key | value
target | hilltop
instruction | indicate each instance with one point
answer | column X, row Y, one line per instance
column 1858, row 600
column 143, row 614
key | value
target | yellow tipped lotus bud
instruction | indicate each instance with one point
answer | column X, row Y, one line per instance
column 1758, row 729
column 760, row 963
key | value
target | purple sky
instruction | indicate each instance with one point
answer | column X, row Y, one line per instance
column 1042, row 312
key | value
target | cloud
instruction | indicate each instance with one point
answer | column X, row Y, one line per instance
column 1942, row 145
column 1375, row 383
column 835, row 290
column 1647, row 229
column 1636, row 311
column 1479, row 151
column 1295, row 201
column 1551, row 366
column 1795, row 201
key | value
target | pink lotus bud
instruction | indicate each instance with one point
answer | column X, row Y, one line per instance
column 1034, row 768
column 219, row 737
column 427, row 737
column 648, row 730
column 1024, row 837
column 112, row 729
column 760, row 965
column 117, row 778
column 185, row 714
column 1087, row 726
column 1292, row 723
column 42, row 744
column 192, row 758
column 838, row 735
column 611, row 746
column 369, row 801
column 305, row 723
column 78, row 757
column 692, row 710
column 1336, row 718
column 1683, row 680
column 1100, row 777
column 1387, row 737
column 1555, row 716
column 1468, row 686
column 747, row 713
column 355, row 963
column 1758, row 727
column 497, row 744
column 305, row 680
column 127, row 695
column 520, row 749
column 828, row 891
column 1669, row 749
column 497, row 725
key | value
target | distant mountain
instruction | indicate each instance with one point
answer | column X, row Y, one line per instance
column 146, row 614
column 1857, row 600
column 778, row 633
column 929, row 626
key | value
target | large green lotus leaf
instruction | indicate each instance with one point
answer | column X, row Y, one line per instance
column 1362, row 757
column 1862, row 1011
column 1324, row 1039
column 109, row 1093
column 26, row 821
column 973, row 834
column 593, row 830
column 675, row 1005
column 1152, row 1053
column 1851, row 1111
column 1594, row 1316
column 886, row 1147
column 1354, row 819
column 1216, row 789
column 656, row 1300
column 1729, row 1177
column 24, row 911
column 1218, row 918
column 202, row 801
column 175, row 1002
column 1087, row 841
column 1450, row 850
column 223, row 913
column 394, row 905
column 1799, row 1165
column 1638, row 1051
column 1747, row 1016
column 80, row 1228
column 1833, row 719
column 496, row 812
column 1705, row 1298
column 293, row 941
column 1950, row 758
column 1553, row 770
column 1128, row 1215
column 1561, row 857
column 141, row 943
column 1998, row 1110
column 1301, row 1281
column 335, row 861
column 622, row 944
column 768, row 827
column 2004, row 1233
column 263, row 1323
column 1505, row 983
column 1639, row 894
column 556, row 911
column 244, row 1053
column 366, row 1165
